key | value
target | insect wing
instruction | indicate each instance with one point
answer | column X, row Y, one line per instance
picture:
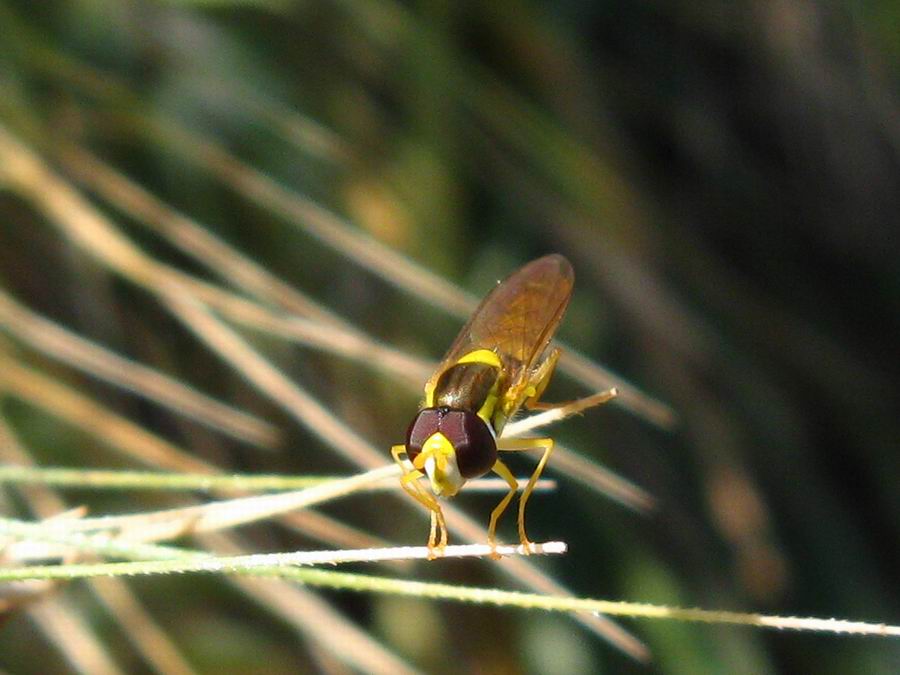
column 517, row 319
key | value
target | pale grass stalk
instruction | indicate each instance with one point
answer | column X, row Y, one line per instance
column 311, row 616
column 572, row 464
column 60, row 401
column 492, row 596
column 170, row 562
column 159, row 525
column 67, row 210
column 322, row 329
column 117, row 432
column 60, row 622
column 553, row 415
column 283, row 564
column 40, row 334
column 331, row 334
column 310, row 413
column 337, row 336
column 137, row 625
column 153, row 480
column 172, row 523
column 377, row 257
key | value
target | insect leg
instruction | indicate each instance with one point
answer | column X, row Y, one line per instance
column 539, row 380
column 517, row 444
column 409, row 481
column 503, row 471
column 569, row 408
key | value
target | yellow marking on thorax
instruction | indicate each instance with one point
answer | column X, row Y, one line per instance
column 486, row 356
column 481, row 356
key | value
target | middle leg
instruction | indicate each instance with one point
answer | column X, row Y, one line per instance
column 503, row 471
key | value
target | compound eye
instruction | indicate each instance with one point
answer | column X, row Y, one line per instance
column 476, row 449
column 423, row 427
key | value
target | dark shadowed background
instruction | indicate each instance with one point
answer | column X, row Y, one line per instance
column 724, row 177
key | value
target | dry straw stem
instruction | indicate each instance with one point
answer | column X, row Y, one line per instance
column 312, row 217
column 332, row 334
column 61, row 401
column 279, row 564
column 321, row 328
column 67, row 210
column 311, row 617
column 174, row 561
column 572, row 464
column 421, row 589
column 154, row 480
column 214, row 516
column 231, row 513
column 375, row 256
column 43, row 335
column 85, row 652
column 149, row 639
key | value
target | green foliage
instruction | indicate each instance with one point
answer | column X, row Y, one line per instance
column 723, row 176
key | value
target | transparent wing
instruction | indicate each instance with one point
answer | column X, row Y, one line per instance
column 517, row 319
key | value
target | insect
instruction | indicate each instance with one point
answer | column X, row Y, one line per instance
column 500, row 361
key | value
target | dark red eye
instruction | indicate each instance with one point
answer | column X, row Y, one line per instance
column 476, row 449
column 423, row 426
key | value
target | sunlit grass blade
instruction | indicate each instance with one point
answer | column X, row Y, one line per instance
column 336, row 336
column 37, row 332
column 421, row 589
column 139, row 627
column 152, row 480
column 68, row 631
column 65, row 403
column 67, row 210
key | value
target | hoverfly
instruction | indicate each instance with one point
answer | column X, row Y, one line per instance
column 500, row 361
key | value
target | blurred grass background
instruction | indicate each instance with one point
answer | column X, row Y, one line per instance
column 725, row 178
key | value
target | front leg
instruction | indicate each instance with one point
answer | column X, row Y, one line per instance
column 409, row 481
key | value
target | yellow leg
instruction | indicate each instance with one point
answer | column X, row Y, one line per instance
column 409, row 481
column 503, row 471
column 568, row 408
column 518, row 444
column 539, row 380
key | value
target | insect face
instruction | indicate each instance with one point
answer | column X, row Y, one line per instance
column 451, row 446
